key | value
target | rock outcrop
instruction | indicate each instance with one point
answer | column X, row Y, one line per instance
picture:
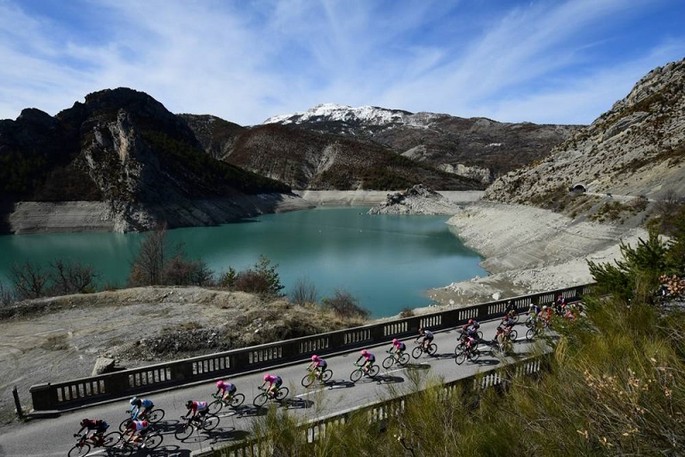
column 635, row 149
column 416, row 200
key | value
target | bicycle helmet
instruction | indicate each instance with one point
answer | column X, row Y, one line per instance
column 544, row 307
column 134, row 401
column 266, row 377
column 144, row 423
column 85, row 422
column 189, row 404
column 395, row 341
column 470, row 321
column 365, row 352
column 315, row 358
column 219, row 384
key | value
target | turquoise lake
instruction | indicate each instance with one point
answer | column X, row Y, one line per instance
column 386, row 262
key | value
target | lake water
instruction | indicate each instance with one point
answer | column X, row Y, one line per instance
column 386, row 262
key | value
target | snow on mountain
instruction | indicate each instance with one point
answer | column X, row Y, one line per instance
column 370, row 115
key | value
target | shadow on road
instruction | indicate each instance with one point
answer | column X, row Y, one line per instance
column 387, row 379
column 227, row 434
column 339, row 383
column 298, row 403
column 171, row 451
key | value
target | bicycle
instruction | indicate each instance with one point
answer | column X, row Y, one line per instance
column 471, row 353
column 206, row 422
column 262, row 398
column 86, row 442
column 536, row 331
column 420, row 349
column 401, row 359
column 150, row 441
column 359, row 372
column 313, row 375
column 153, row 416
column 233, row 401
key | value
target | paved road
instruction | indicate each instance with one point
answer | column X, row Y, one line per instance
column 53, row 437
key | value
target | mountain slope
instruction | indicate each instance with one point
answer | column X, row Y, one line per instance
column 318, row 161
column 123, row 148
column 476, row 147
column 635, row 149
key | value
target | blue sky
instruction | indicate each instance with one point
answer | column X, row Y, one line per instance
column 547, row 61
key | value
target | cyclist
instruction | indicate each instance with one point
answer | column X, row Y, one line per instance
column 369, row 359
column 508, row 323
column 140, row 408
column 318, row 365
column 398, row 347
column 533, row 315
column 471, row 328
column 274, row 383
column 226, row 389
column 560, row 305
column 501, row 338
column 196, row 410
column 546, row 315
column 510, row 310
column 136, row 430
column 427, row 338
column 97, row 426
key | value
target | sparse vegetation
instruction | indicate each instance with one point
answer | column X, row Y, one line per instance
column 345, row 305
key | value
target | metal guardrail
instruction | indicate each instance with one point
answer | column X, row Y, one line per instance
column 386, row 409
column 51, row 397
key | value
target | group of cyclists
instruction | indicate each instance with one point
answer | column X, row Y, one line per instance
column 470, row 336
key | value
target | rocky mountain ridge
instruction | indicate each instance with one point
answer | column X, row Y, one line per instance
column 124, row 149
column 478, row 148
column 635, row 150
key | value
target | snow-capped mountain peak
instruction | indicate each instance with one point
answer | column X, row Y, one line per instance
column 342, row 113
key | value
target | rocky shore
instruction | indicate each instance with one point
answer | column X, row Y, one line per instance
column 528, row 249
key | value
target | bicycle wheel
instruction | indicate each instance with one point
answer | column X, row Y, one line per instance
column 432, row 349
column 111, row 439
column 480, row 335
column 153, row 440
column 513, row 335
column 308, row 379
column 460, row 358
column 356, row 375
column 326, row 375
column 281, row 393
column 259, row 400
column 183, row 431
column 124, row 424
column 79, row 450
column 530, row 334
column 210, row 422
column 416, row 352
column 403, row 359
column 156, row 415
column 388, row 361
column 237, row 400
column 373, row 371
column 474, row 355
column 215, row 406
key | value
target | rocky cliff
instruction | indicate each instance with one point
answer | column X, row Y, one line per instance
column 633, row 154
column 124, row 149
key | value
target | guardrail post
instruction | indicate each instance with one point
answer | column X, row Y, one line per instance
column 17, row 403
column 44, row 397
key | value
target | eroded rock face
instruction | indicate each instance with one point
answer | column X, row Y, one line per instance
column 415, row 200
column 636, row 148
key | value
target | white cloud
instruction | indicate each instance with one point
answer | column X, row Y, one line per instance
column 246, row 61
